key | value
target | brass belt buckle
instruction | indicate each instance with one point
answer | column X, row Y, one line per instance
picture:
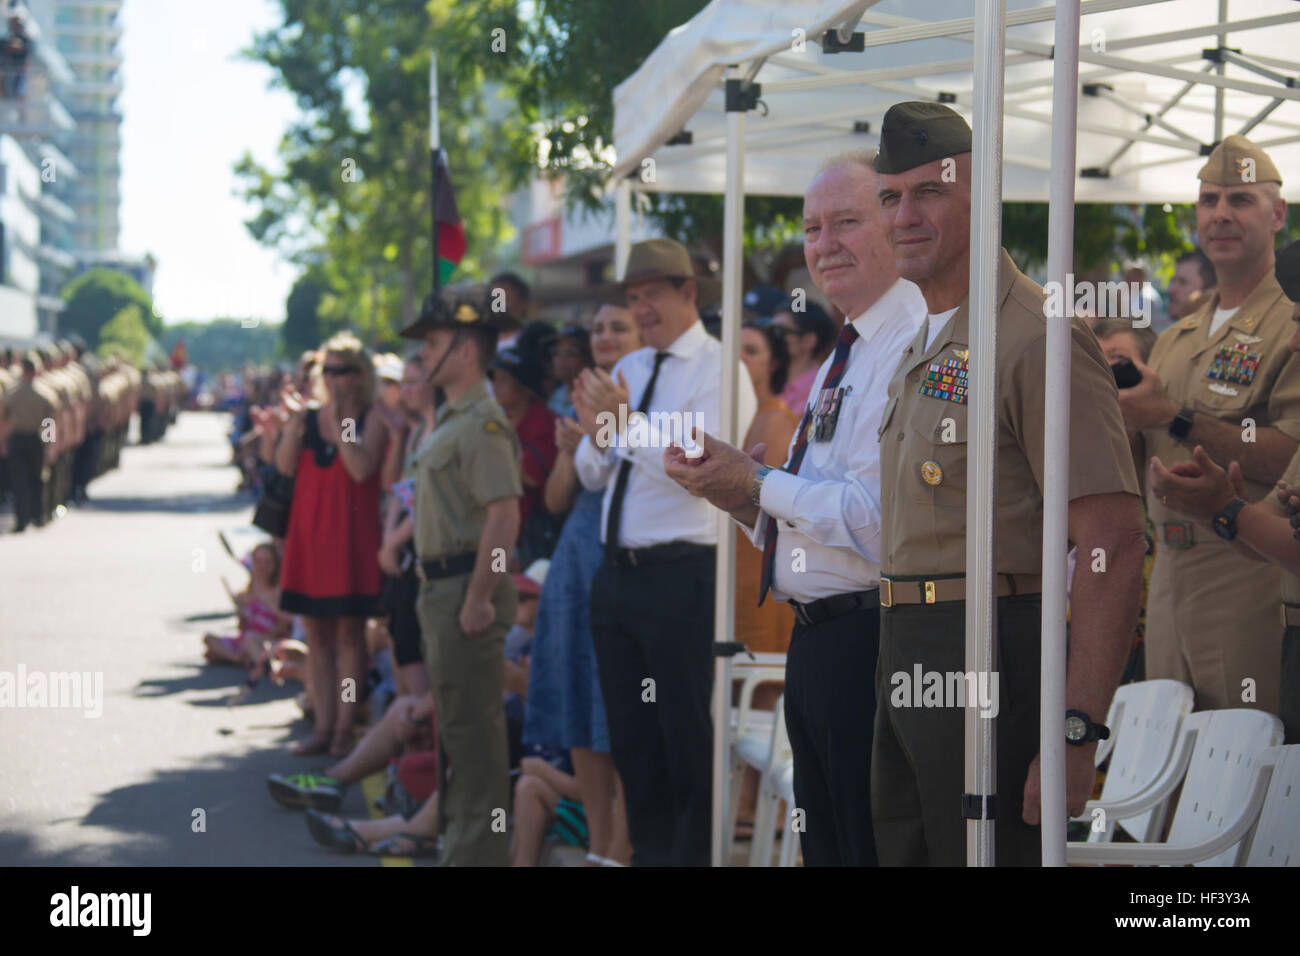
column 929, row 592
column 886, row 592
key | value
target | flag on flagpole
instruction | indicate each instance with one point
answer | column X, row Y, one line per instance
column 446, row 217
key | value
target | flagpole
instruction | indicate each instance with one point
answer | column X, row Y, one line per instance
column 434, row 165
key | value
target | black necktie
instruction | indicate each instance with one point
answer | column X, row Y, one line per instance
column 625, row 469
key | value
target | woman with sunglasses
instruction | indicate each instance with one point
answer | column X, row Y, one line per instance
column 333, row 447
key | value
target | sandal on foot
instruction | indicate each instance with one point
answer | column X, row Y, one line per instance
column 342, row 838
column 419, row 846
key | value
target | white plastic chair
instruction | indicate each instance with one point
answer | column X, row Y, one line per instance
column 775, row 784
column 1144, row 720
column 1276, row 839
column 750, row 733
column 1219, row 759
column 783, row 778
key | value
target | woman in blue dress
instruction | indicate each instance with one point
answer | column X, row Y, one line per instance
column 564, row 708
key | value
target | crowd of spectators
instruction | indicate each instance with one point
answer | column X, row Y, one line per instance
column 331, row 449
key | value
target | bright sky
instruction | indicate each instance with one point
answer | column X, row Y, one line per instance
column 190, row 107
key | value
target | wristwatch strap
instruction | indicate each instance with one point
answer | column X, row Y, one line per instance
column 756, row 488
column 1181, row 426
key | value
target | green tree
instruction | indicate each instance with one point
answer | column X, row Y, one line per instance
column 575, row 53
column 95, row 297
column 303, row 326
column 125, row 335
column 224, row 344
column 353, row 199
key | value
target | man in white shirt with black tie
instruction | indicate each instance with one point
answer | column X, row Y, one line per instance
column 818, row 518
column 652, row 597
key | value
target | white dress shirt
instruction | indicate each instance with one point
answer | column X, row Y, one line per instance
column 831, row 508
column 657, row 510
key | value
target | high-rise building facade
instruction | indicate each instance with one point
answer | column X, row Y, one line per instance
column 86, row 34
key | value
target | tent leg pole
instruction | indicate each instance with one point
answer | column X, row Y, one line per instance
column 1222, row 70
column 724, row 621
column 622, row 227
column 986, row 243
column 1056, row 465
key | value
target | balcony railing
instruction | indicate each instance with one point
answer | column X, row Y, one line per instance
column 28, row 107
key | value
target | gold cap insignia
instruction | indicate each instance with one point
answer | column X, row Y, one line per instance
column 932, row 473
column 465, row 313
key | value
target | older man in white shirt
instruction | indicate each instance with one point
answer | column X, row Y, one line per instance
column 818, row 518
column 652, row 597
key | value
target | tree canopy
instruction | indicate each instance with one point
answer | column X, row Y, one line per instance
column 95, row 297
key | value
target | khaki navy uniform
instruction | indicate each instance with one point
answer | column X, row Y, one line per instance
column 1289, row 680
column 917, row 766
column 469, row 460
column 1211, row 614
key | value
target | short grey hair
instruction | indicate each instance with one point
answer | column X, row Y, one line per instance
column 859, row 157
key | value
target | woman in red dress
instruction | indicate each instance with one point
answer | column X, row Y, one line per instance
column 333, row 447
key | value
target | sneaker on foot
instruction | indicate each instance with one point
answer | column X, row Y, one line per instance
column 298, row 790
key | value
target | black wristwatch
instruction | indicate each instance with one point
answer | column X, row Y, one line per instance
column 1225, row 522
column 1080, row 729
column 1181, row 426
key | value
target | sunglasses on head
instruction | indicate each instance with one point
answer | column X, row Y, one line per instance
column 338, row 369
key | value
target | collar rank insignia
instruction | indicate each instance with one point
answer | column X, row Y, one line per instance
column 1235, row 364
column 947, row 380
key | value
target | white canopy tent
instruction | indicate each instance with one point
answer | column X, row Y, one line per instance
column 1153, row 102
column 913, row 51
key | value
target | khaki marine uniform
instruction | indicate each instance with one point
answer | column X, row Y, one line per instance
column 917, row 766
column 469, row 460
column 31, row 406
column 1212, row 617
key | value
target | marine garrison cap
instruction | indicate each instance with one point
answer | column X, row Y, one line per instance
column 1287, row 269
column 436, row 313
column 916, row 133
column 1237, row 160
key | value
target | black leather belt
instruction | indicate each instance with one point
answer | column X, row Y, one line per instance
column 448, row 567
column 657, row 554
column 837, row 605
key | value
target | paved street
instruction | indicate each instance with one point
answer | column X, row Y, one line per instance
column 125, row 587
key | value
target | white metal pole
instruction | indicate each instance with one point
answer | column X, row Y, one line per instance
column 1056, row 446
column 981, row 493
column 724, row 622
column 1222, row 70
column 622, row 227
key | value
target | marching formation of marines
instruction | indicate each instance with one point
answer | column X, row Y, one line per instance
column 64, row 415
